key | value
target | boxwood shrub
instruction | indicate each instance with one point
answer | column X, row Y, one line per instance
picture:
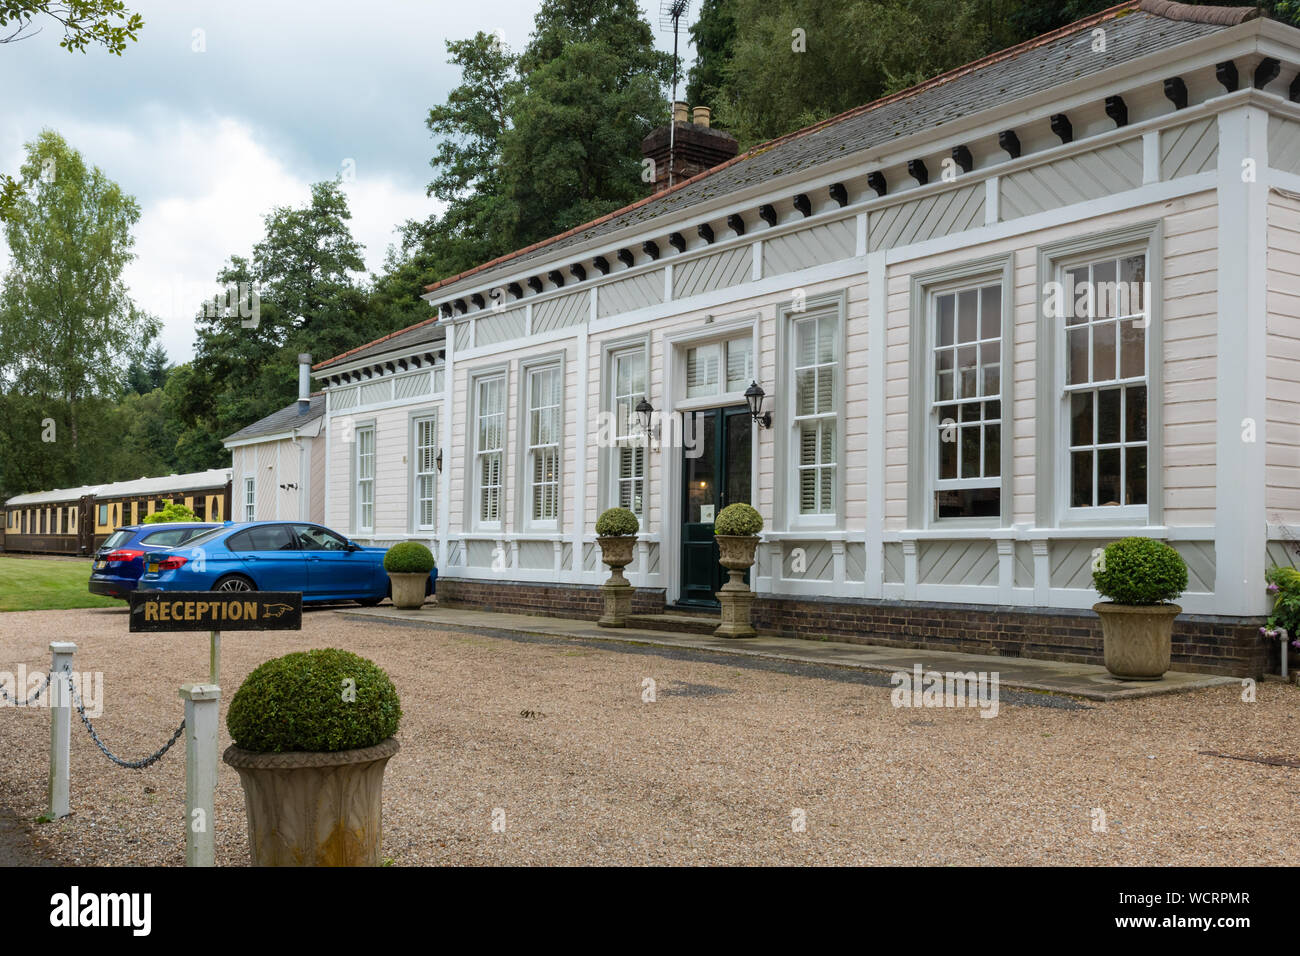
column 738, row 519
column 321, row 700
column 1140, row 571
column 616, row 523
column 408, row 557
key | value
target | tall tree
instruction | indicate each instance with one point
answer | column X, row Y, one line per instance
column 68, row 327
column 591, row 88
column 714, row 36
column 478, row 222
column 297, row 293
column 84, row 22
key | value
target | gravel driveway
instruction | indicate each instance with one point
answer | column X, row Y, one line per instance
column 719, row 769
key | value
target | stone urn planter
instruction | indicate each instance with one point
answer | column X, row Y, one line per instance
column 315, row 808
column 1136, row 639
column 616, row 534
column 408, row 565
column 1141, row 577
column 736, row 530
column 313, row 733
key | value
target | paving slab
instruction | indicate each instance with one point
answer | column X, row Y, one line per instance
column 1088, row 681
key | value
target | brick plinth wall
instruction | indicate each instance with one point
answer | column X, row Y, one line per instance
column 545, row 600
column 1202, row 643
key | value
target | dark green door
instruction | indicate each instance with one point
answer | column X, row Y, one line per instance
column 715, row 473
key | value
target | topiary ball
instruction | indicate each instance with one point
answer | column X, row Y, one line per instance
column 408, row 557
column 616, row 523
column 321, row 700
column 1140, row 571
column 738, row 519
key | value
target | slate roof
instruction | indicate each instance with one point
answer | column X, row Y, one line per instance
column 427, row 332
column 1133, row 30
column 284, row 420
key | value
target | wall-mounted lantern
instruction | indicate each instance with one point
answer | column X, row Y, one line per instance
column 645, row 417
column 754, row 395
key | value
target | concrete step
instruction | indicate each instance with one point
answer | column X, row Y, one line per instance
column 676, row 622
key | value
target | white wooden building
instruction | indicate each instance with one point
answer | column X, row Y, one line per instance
column 1001, row 319
column 278, row 462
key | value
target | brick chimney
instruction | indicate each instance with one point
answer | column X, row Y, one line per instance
column 694, row 146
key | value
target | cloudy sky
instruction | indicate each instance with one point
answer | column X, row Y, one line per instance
column 225, row 108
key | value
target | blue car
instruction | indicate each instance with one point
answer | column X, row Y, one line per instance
column 120, row 560
column 273, row 556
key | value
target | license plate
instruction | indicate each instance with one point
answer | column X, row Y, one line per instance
column 153, row 568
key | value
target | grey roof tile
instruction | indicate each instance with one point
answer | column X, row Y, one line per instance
column 282, row 421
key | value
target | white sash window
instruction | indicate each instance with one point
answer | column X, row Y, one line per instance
column 542, row 462
column 489, row 448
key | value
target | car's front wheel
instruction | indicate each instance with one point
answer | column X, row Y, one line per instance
column 234, row 582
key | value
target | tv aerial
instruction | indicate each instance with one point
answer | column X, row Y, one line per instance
column 670, row 18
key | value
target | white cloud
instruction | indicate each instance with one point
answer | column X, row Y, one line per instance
column 208, row 186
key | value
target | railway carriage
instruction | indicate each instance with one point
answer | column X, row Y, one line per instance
column 76, row 521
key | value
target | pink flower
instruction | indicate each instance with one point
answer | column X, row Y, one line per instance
column 1273, row 589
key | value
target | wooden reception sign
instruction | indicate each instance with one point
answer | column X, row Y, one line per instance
column 216, row 611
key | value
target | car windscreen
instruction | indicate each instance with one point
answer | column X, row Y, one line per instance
column 164, row 539
column 117, row 539
column 206, row 536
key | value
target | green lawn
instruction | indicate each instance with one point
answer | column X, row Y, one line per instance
column 42, row 584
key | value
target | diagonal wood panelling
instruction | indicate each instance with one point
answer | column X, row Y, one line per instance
column 1071, row 563
column 814, row 558
column 1284, row 144
column 628, row 295
column 809, row 247
column 893, row 563
column 1023, row 569
column 499, row 327
column 1199, row 556
column 562, row 311
column 538, row 555
column 718, row 271
column 1189, row 149
column 957, row 562
column 942, row 214
column 855, row 561
column 1074, row 179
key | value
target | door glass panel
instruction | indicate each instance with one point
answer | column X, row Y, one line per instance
column 701, row 477
column 739, row 436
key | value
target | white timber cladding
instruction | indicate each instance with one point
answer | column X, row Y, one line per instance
column 850, row 298
column 1283, row 461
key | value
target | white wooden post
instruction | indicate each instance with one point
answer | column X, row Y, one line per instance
column 60, row 727
column 202, row 704
column 214, row 659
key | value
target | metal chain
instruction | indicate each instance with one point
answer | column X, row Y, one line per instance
column 31, row 700
column 128, row 764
